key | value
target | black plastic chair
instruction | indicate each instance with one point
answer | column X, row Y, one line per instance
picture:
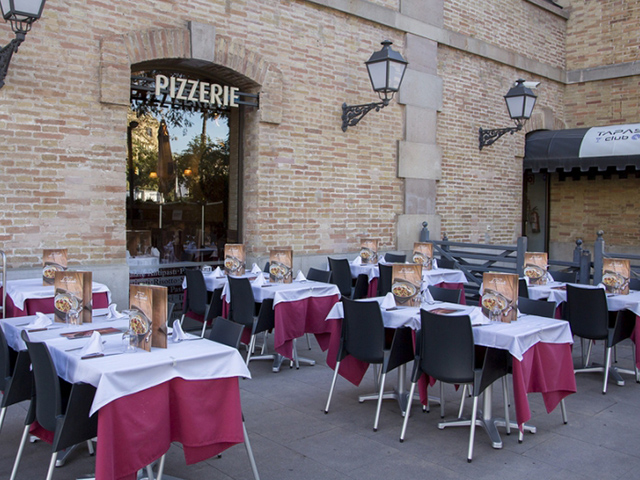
column 363, row 337
column 564, row 276
column 242, row 310
column 57, row 406
column 15, row 376
column 446, row 351
column 318, row 275
column 385, row 280
column 226, row 332
column 450, row 295
column 361, row 288
column 523, row 288
column 541, row 308
column 634, row 284
column 395, row 258
column 589, row 319
column 446, row 263
column 341, row 275
column 197, row 301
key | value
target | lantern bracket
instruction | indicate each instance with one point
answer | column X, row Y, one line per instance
column 6, row 53
column 487, row 137
column 352, row 114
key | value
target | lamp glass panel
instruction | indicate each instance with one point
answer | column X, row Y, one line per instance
column 528, row 106
column 378, row 75
column 396, row 72
column 515, row 106
column 25, row 9
column 4, row 4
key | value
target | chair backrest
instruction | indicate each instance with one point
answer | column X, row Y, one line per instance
column 565, row 277
column 588, row 312
column 634, row 284
column 242, row 305
column 446, row 263
column 523, row 288
column 46, row 383
column 395, row 258
column 451, row 295
column 362, row 287
column 341, row 275
column 226, row 332
column 215, row 309
column 363, row 330
column 196, row 300
column 541, row 308
column 5, row 361
column 447, row 350
column 318, row 275
column 266, row 316
column 170, row 307
column 385, row 280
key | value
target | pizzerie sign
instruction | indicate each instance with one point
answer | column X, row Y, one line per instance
column 196, row 91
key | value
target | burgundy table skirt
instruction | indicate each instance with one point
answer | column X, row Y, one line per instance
column 203, row 415
column 45, row 305
column 373, row 289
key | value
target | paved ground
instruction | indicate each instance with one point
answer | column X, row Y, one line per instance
column 292, row 438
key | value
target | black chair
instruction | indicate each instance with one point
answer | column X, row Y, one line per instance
column 341, row 275
column 197, row 301
column 634, row 284
column 226, row 332
column 590, row 319
column 385, row 280
column 564, row 276
column 363, row 337
column 361, row 288
column 450, row 295
column 446, row 263
column 395, row 258
column 57, row 406
column 446, row 351
column 541, row 308
column 523, row 288
column 15, row 376
column 318, row 275
column 242, row 310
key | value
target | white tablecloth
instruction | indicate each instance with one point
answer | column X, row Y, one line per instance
column 429, row 277
column 27, row 288
column 119, row 375
column 288, row 292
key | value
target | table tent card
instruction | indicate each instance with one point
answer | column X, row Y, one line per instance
column 423, row 254
column 615, row 275
column 500, row 296
column 281, row 265
column 535, row 267
column 53, row 261
column 406, row 282
column 148, row 316
column 234, row 259
column 72, row 291
column 369, row 250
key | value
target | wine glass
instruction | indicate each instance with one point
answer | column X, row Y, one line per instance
column 72, row 317
column 130, row 340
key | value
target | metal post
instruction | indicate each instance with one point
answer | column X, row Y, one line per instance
column 577, row 251
column 424, row 233
column 598, row 256
column 522, row 248
column 585, row 268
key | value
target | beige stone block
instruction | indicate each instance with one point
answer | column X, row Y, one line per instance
column 419, row 160
column 408, row 228
column 421, row 89
column 203, row 39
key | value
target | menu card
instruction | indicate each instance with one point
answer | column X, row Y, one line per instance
column 615, row 275
column 72, row 290
column 369, row 250
column 423, row 254
column 53, row 261
column 500, row 296
column 234, row 259
column 148, row 317
column 406, row 283
column 281, row 265
column 535, row 267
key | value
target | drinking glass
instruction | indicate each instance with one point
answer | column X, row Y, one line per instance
column 130, row 340
column 72, row 317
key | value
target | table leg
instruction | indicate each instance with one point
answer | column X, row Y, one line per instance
column 399, row 393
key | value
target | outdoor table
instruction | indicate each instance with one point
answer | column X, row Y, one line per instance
column 187, row 392
column 540, row 348
column 29, row 296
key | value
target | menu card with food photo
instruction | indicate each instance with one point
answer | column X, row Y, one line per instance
column 406, row 282
column 616, row 273
column 234, row 259
column 148, row 315
column 369, row 250
column 535, row 267
column 281, row 265
column 53, row 261
column 423, row 254
column 73, row 297
column 500, row 296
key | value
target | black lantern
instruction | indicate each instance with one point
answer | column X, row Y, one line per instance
column 386, row 70
column 520, row 101
column 21, row 14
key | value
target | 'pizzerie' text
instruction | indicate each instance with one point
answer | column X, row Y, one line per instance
column 196, row 91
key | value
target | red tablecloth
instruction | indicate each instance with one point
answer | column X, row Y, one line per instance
column 45, row 305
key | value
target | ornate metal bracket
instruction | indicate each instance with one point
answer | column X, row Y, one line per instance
column 487, row 137
column 352, row 114
column 6, row 53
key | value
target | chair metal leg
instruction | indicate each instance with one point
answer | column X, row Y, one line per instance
column 563, row 409
column 462, row 398
column 3, row 413
column 474, row 415
column 252, row 460
column 607, row 364
column 308, row 341
column 250, row 348
column 408, row 412
column 23, row 441
column 182, row 319
column 379, row 407
column 505, row 393
column 161, row 467
column 52, row 465
column 588, row 353
column 90, row 447
column 441, row 400
column 204, row 327
column 333, row 384
column 264, row 343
